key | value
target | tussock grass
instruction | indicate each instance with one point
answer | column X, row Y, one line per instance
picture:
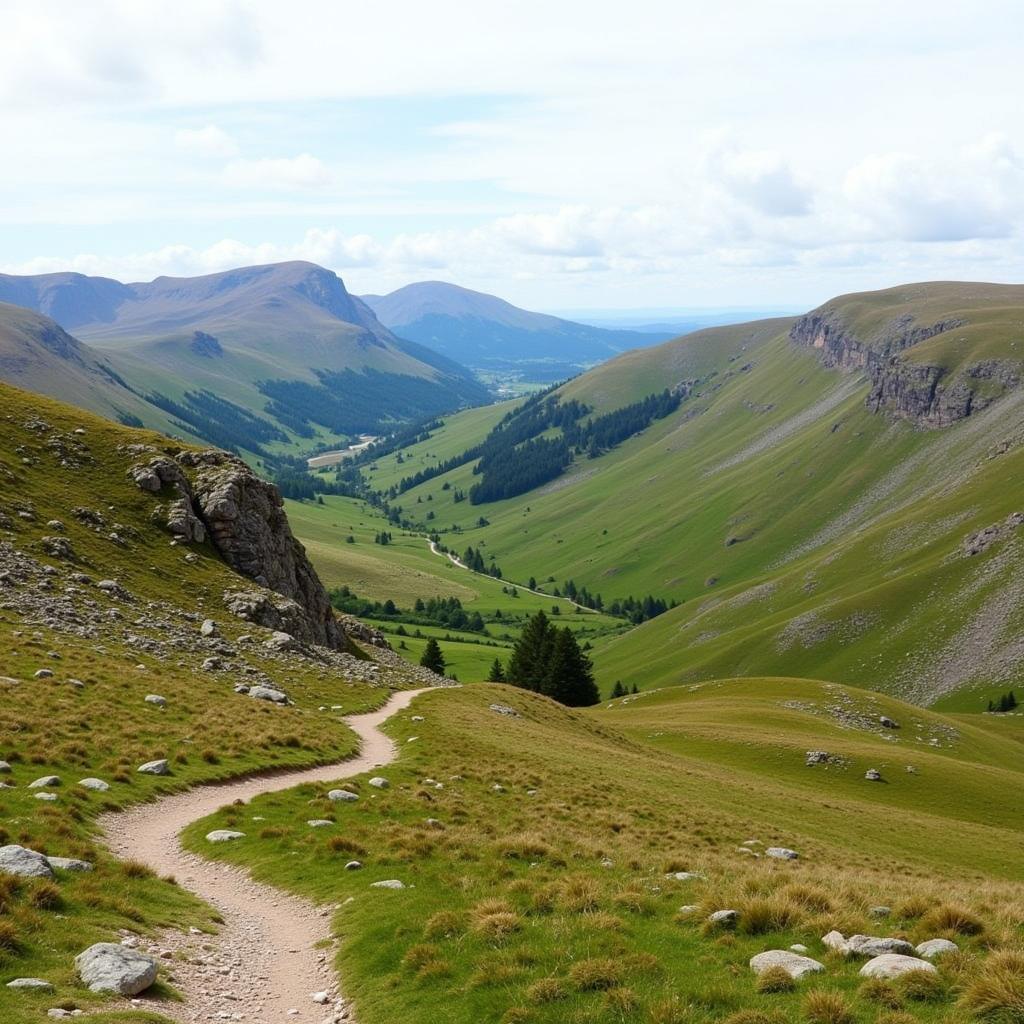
column 822, row 1006
column 996, row 994
column 775, row 979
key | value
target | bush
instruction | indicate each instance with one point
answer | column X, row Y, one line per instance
column 8, row 936
column 342, row 844
column 824, row 1007
column 775, row 979
column 997, row 993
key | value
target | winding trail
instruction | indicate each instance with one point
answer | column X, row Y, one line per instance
column 262, row 966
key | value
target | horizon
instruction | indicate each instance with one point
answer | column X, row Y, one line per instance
column 557, row 158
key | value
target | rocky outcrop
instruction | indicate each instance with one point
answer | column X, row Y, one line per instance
column 921, row 392
column 218, row 498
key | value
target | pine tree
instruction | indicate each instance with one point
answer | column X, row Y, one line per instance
column 635, row 689
column 570, row 675
column 529, row 662
column 497, row 673
column 618, row 690
column 433, row 658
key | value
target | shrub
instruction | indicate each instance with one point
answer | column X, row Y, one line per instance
column 754, row 1017
column 635, row 901
column 997, row 993
column 595, row 974
column 420, row 954
column 775, row 979
column 272, row 832
column 947, row 918
column 810, row 897
column 547, row 990
column 921, row 986
column 824, row 1007
column 516, row 1015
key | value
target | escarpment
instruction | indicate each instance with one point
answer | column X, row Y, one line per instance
column 926, row 393
column 217, row 497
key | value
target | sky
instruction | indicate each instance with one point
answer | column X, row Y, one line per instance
column 561, row 154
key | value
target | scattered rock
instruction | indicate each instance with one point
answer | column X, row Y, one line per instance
column 880, row 911
column 388, row 883
column 68, row 864
column 355, row 865
column 268, row 693
column 45, row 782
column 887, row 722
column 342, row 794
column 932, row 948
column 872, row 945
column 223, row 835
column 890, row 965
column 835, row 940
column 31, row 984
column 43, row 673
column 685, row 876
column 798, row 947
column 319, row 823
column 793, row 964
column 49, row 797
column 155, row 698
column 873, row 775
column 108, row 967
column 379, row 783
column 159, row 767
column 5, row 768
column 17, row 860
column 724, row 918
column 781, row 853
column 504, row 709
column 323, row 998
column 209, row 628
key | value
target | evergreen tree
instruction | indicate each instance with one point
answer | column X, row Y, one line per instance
column 635, row 689
column 529, row 662
column 618, row 690
column 497, row 673
column 570, row 675
column 433, row 658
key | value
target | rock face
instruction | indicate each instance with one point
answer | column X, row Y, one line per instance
column 217, row 497
column 17, row 860
column 919, row 392
column 793, row 964
column 890, row 965
column 107, row 967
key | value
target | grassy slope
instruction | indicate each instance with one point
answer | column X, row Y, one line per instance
column 105, row 728
column 803, row 534
column 564, row 865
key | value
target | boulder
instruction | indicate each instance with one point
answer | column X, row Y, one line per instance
column 793, row 964
column 379, row 783
column 108, row 967
column 880, row 911
column 42, row 673
column 281, row 641
column 45, row 782
column 781, row 853
column 159, row 767
column 341, row 794
column 50, row 797
column 268, row 693
column 388, row 883
column 319, row 823
column 208, row 628
column 504, row 709
column 17, row 860
column 223, row 835
column 31, row 984
column 872, row 945
column 685, row 876
column 5, row 768
column 724, row 918
column 873, row 775
column 155, row 698
column 834, row 940
column 353, row 865
column 96, row 785
column 69, row 864
column 890, row 965
column 931, row 948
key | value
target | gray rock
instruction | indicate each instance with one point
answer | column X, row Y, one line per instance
column 388, row 883
column 798, row 947
column 155, row 698
column 890, row 965
column 835, row 940
column 341, row 794
column 48, row 797
column 873, row 775
column 319, row 823
column 108, row 967
column 931, row 948
column 209, row 628
column 353, row 865
column 159, row 767
column 872, row 945
column 223, row 835
column 280, row 641
column 69, row 864
column 5, row 768
column 880, row 911
column 43, row 673
column 504, row 709
column 379, row 783
column 96, row 785
column 31, row 984
column 212, row 664
column 268, row 693
column 793, row 964
column 781, row 853
column 685, row 876
column 242, row 688
column 17, row 860
column 887, row 722
column 724, row 918
column 45, row 782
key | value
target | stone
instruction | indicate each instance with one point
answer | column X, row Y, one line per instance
column 209, row 628
column 872, row 945
column 341, row 794
column 268, row 693
column 685, row 876
column 873, row 775
column 280, row 641
column 798, row 947
column 890, row 965
column 43, row 673
column 793, row 964
column 931, row 948
column 45, row 782
column 379, row 783
column 319, row 823
column 835, row 940
column 49, row 797
column 31, row 984
column 388, row 883
column 724, row 918
column 223, row 835
column 781, row 853
column 504, row 709
column 817, row 757
column 212, row 664
column 887, row 722
column 5, row 768
column 880, row 911
column 18, row 860
column 354, row 865
column 416, row 718
column 159, row 767
column 323, row 998
column 108, row 967
column 69, row 864
column 155, row 698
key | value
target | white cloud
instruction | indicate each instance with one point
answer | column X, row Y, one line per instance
column 763, row 180
column 209, row 141
column 300, row 172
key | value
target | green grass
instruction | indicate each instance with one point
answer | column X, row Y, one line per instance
column 535, row 901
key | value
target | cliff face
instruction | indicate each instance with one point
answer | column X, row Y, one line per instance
column 916, row 391
column 217, row 497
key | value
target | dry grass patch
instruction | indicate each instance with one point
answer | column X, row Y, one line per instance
column 596, row 974
column 996, row 994
column 775, row 979
column 762, row 915
column 824, row 1007
column 547, row 990
column 949, row 918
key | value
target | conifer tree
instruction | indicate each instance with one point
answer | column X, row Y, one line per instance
column 433, row 657
column 570, row 676
column 529, row 662
column 497, row 673
column 618, row 690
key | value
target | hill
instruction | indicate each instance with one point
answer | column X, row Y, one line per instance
column 274, row 354
column 489, row 334
column 834, row 496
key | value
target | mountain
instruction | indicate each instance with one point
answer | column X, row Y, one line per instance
column 836, row 495
column 266, row 354
column 487, row 333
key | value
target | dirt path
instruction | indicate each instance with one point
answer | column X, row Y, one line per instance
column 262, row 967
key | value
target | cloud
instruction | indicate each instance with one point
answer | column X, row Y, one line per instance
column 210, row 141
column 301, row 172
column 763, row 180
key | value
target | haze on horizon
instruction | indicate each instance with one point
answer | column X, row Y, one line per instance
column 557, row 155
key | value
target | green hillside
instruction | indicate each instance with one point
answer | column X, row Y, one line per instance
column 807, row 505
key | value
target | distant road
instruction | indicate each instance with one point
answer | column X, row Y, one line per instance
column 333, row 458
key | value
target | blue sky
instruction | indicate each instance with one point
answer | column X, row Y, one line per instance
column 562, row 155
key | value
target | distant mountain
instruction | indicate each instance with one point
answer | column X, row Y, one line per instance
column 261, row 354
column 485, row 332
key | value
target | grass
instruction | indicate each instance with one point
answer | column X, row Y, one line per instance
column 547, row 899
